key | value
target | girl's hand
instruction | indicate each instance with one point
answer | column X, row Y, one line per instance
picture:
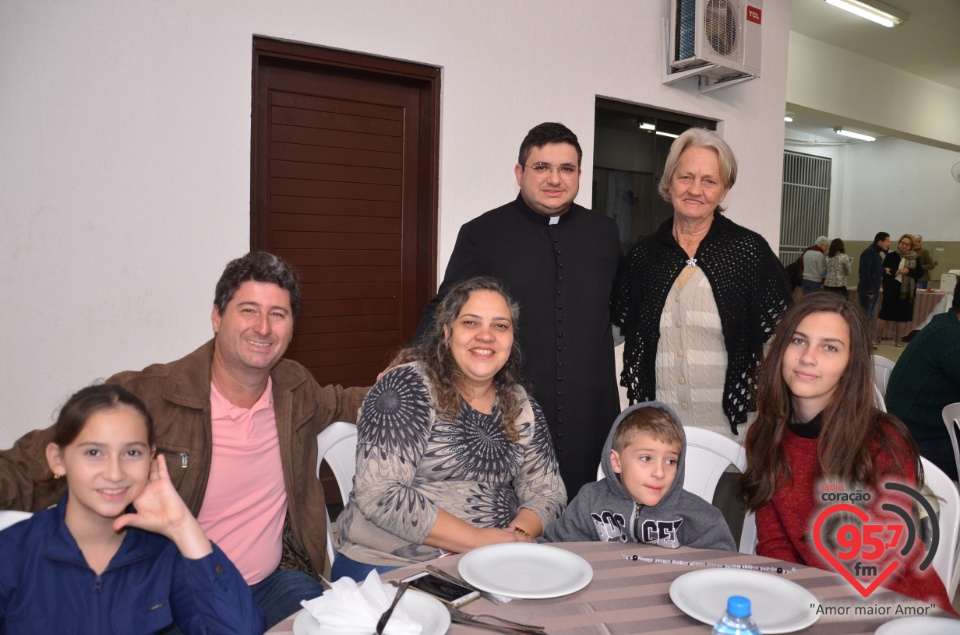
column 161, row 510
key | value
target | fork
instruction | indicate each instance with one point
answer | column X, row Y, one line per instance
column 382, row 623
column 516, row 627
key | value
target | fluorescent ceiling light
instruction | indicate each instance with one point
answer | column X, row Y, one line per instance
column 788, row 119
column 854, row 135
column 872, row 10
column 647, row 126
column 667, row 134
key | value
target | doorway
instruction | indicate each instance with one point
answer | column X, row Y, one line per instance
column 631, row 143
column 344, row 186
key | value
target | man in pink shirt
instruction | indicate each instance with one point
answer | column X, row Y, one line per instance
column 238, row 425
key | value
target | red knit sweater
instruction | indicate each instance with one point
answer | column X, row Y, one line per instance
column 785, row 524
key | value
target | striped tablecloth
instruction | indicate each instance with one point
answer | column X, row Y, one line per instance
column 630, row 597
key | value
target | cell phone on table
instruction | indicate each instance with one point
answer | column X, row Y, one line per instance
column 445, row 591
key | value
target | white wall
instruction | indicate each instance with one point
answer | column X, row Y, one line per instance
column 125, row 148
column 856, row 91
column 891, row 185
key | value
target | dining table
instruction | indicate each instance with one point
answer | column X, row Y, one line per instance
column 632, row 596
column 926, row 304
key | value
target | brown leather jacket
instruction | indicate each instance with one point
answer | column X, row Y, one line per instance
column 178, row 396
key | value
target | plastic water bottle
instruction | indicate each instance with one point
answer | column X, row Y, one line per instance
column 737, row 620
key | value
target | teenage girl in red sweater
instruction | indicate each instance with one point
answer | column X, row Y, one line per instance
column 817, row 430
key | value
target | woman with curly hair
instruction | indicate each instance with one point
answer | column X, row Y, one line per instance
column 452, row 452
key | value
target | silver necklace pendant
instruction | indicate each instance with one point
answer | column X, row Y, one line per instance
column 691, row 262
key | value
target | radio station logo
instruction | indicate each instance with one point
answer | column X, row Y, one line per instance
column 859, row 549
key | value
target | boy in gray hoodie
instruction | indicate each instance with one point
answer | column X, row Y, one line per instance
column 641, row 498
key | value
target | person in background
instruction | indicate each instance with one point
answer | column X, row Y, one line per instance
column 837, row 267
column 238, row 425
column 925, row 379
column 870, row 272
column 698, row 299
column 814, row 265
column 641, row 497
column 452, row 453
column 120, row 552
column 817, row 426
column 559, row 260
column 900, row 274
column 926, row 262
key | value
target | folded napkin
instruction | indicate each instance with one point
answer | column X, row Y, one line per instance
column 348, row 609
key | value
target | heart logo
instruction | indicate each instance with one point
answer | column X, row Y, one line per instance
column 865, row 591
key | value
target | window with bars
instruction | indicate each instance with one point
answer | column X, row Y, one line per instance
column 805, row 203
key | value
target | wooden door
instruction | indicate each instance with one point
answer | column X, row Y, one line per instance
column 344, row 187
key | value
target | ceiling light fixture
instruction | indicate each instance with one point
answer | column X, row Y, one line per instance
column 872, row 10
column 854, row 135
column 647, row 126
column 788, row 119
column 667, row 134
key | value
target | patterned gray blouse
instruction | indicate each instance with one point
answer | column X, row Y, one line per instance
column 411, row 463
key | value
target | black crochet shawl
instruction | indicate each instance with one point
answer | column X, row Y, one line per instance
column 749, row 286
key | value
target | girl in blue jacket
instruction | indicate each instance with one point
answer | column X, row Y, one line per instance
column 120, row 553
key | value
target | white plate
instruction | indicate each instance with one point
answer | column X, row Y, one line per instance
column 524, row 570
column 920, row 624
column 429, row 612
column 777, row 605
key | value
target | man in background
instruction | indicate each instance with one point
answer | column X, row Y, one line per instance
column 925, row 260
column 870, row 271
column 925, row 379
column 560, row 262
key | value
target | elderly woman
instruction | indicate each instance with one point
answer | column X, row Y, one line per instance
column 901, row 271
column 452, row 453
column 697, row 300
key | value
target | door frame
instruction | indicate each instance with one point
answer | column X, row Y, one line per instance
column 427, row 79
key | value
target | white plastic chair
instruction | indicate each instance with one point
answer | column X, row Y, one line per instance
column 951, row 419
column 337, row 445
column 878, row 399
column 945, row 562
column 708, row 456
column 882, row 367
column 10, row 517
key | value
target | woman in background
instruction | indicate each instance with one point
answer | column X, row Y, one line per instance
column 838, row 268
column 900, row 274
column 698, row 299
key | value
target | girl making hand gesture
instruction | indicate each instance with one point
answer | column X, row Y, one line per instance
column 120, row 552
column 817, row 431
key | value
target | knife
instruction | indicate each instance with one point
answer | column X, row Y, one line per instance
column 456, row 619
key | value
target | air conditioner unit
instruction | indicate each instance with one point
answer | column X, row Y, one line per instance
column 722, row 36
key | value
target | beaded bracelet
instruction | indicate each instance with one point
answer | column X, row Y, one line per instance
column 749, row 567
column 522, row 532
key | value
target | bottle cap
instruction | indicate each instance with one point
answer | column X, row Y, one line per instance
column 738, row 606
